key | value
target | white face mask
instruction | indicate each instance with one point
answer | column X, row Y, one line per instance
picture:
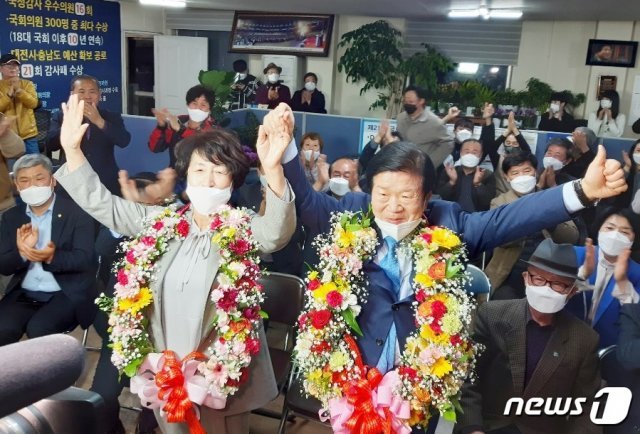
column 555, row 108
column 544, row 299
column 197, row 115
column 273, row 78
column 523, row 184
column 339, row 186
column 613, row 243
column 242, row 76
column 554, row 163
column 310, row 155
column 36, row 195
column 463, row 135
column 397, row 232
column 605, row 103
column 310, row 86
column 636, row 158
column 469, row 160
column 206, row 200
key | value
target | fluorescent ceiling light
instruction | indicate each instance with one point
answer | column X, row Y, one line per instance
column 505, row 14
column 464, row 13
column 494, row 70
column 467, row 68
column 485, row 13
column 165, row 3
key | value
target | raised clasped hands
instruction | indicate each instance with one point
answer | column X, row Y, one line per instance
column 274, row 135
column 604, row 177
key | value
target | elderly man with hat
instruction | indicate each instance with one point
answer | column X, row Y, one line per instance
column 274, row 91
column 18, row 98
column 533, row 349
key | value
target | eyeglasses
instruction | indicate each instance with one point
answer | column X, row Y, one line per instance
column 557, row 286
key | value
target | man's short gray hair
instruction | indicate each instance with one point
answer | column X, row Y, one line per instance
column 592, row 139
column 32, row 160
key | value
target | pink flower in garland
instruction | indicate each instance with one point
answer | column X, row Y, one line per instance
column 148, row 241
column 240, row 247
column 216, row 223
column 313, row 285
column 251, row 313
column 131, row 257
column 158, row 225
column 253, row 346
column 182, row 228
column 228, row 301
column 122, row 277
column 334, row 299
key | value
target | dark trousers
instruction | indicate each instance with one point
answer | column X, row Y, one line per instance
column 19, row 315
column 105, row 380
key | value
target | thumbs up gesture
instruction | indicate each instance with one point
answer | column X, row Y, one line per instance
column 604, row 178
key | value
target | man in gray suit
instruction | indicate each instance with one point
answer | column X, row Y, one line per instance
column 533, row 350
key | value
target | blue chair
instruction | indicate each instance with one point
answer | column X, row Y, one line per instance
column 479, row 283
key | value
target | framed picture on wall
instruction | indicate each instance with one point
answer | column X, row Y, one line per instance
column 604, row 52
column 274, row 33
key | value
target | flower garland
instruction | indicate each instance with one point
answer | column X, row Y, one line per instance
column 438, row 356
column 219, row 372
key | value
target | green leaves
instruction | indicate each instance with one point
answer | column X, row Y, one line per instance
column 350, row 319
column 220, row 83
column 132, row 368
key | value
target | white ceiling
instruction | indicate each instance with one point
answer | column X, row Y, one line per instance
column 574, row 10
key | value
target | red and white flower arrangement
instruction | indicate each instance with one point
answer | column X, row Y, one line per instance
column 206, row 378
column 437, row 358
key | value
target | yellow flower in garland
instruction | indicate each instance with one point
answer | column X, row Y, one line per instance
column 325, row 288
column 451, row 323
column 445, row 238
column 424, row 279
column 142, row 299
column 427, row 333
column 313, row 275
column 346, row 238
column 441, row 367
column 337, row 361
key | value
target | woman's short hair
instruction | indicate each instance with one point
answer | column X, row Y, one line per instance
column 312, row 136
column 514, row 160
column 310, row 74
column 633, row 219
column 217, row 146
column 199, row 90
column 402, row 157
column 464, row 123
column 31, row 160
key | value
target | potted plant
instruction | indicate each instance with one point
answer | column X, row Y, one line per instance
column 220, row 83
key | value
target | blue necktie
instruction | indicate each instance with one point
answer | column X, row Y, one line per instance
column 391, row 268
column 390, row 265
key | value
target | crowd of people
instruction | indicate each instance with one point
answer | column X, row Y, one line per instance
column 557, row 237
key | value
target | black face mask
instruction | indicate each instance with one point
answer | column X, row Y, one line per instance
column 410, row 108
column 512, row 150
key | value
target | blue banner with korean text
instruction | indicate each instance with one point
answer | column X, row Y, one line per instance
column 56, row 40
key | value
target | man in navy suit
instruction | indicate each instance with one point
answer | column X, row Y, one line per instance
column 48, row 246
column 401, row 178
column 106, row 130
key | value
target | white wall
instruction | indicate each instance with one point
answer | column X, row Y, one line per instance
column 341, row 97
column 555, row 52
column 136, row 18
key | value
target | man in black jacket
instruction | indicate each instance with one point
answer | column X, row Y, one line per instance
column 106, row 130
column 48, row 246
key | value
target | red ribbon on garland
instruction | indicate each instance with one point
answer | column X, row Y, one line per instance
column 365, row 419
column 170, row 382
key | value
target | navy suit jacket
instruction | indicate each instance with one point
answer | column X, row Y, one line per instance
column 74, row 263
column 97, row 145
column 608, row 313
column 480, row 231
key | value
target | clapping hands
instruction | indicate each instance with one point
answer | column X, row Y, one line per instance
column 26, row 240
